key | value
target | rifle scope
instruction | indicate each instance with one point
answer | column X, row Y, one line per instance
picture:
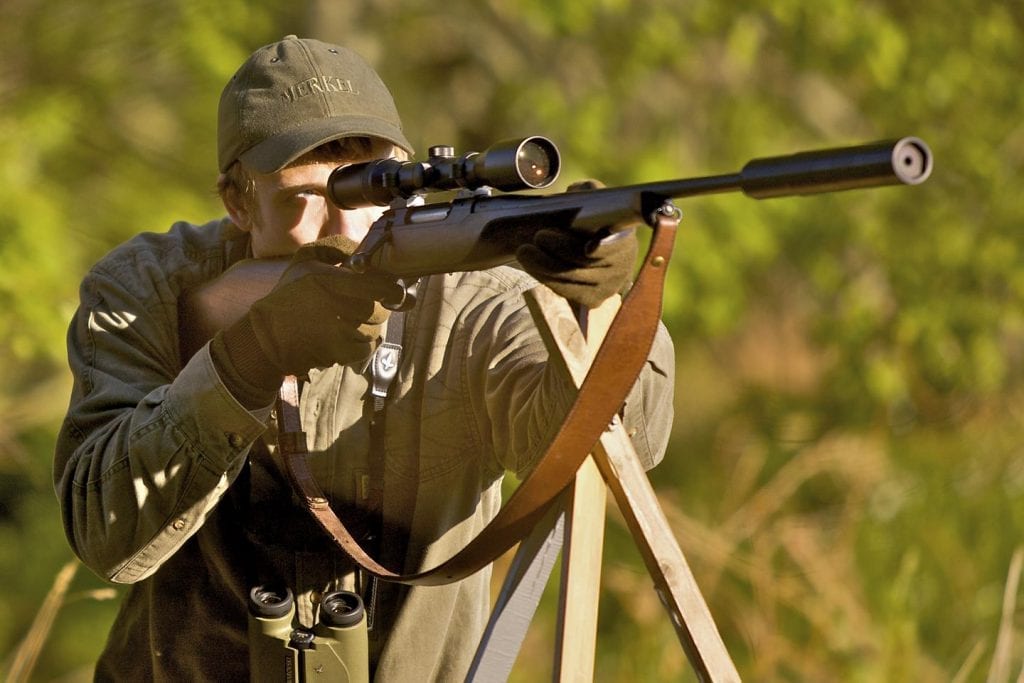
column 517, row 164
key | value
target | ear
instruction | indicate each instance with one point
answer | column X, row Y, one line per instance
column 235, row 206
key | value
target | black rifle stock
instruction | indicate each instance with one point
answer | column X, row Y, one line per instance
column 480, row 231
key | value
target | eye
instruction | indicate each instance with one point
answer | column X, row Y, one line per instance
column 304, row 196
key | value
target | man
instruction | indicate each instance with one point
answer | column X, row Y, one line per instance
column 164, row 465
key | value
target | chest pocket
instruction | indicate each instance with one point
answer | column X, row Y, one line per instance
column 333, row 409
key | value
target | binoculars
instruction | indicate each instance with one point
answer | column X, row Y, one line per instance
column 334, row 650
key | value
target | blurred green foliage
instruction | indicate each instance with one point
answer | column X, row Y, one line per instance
column 846, row 473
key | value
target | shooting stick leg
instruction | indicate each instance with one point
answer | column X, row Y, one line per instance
column 521, row 591
column 576, row 639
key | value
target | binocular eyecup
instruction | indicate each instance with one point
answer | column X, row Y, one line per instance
column 335, row 649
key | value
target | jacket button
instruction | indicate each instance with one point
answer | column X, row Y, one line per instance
column 235, row 440
column 179, row 524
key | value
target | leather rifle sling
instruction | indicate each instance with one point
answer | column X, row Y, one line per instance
column 612, row 374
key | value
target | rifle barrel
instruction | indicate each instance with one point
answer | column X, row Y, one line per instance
column 906, row 161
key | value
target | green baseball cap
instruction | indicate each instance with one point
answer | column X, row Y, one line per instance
column 294, row 95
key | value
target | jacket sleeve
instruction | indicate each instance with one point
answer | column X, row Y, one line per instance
column 147, row 448
column 648, row 411
column 522, row 401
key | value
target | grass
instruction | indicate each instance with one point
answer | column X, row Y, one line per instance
column 27, row 654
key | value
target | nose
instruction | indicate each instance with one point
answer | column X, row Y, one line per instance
column 351, row 224
column 333, row 221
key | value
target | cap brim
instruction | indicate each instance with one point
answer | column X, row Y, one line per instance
column 277, row 151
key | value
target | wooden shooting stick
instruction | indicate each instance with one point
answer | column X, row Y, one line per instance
column 576, row 526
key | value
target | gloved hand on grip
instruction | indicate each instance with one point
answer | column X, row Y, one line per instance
column 578, row 265
column 315, row 316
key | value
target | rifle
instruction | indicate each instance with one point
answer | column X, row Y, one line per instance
column 478, row 230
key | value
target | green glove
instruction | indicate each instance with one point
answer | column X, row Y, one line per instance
column 579, row 267
column 315, row 316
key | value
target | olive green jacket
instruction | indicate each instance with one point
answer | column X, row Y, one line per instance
column 165, row 480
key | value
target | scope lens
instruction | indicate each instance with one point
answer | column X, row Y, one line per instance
column 537, row 163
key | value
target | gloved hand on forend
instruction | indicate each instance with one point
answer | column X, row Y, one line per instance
column 578, row 265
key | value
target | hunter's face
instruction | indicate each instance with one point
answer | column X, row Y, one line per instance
column 291, row 208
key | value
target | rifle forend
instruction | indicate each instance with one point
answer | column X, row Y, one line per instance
column 480, row 231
